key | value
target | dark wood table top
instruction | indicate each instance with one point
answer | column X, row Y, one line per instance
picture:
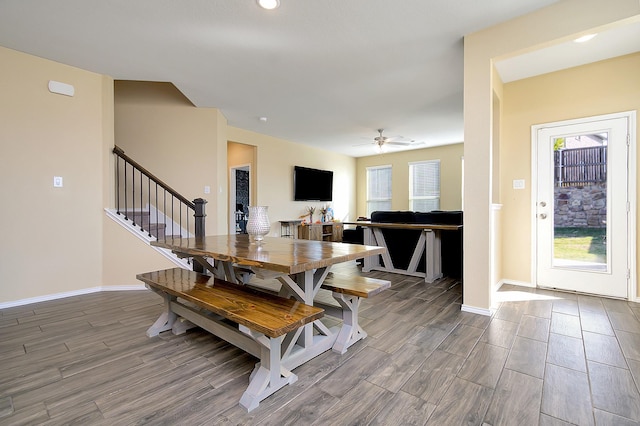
column 397, row 225
column 286, row 255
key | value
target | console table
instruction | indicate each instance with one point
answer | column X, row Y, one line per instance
column 288, row 228
column 428, row 245
column 325, row 231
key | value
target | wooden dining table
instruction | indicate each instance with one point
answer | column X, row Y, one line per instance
column 300, row 266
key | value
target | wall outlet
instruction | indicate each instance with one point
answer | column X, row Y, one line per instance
column 207, row 189
column 57, row 181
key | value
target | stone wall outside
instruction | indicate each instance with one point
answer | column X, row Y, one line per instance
column 581, row 206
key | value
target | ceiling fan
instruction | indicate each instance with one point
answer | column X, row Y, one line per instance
column 380, row 142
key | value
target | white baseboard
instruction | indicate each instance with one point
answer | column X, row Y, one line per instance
column 475, row 310
column 48, row 297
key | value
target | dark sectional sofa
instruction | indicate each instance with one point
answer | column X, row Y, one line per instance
column 401, row 242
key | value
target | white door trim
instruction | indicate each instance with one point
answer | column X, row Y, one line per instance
column 631, row 193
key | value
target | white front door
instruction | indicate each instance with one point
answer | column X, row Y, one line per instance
column 582, row 230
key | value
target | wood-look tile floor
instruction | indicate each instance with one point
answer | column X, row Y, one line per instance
column 544, row 358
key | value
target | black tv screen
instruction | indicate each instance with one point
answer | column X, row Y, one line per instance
column 312, row 184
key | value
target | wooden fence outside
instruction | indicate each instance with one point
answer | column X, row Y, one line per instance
column 580, row 166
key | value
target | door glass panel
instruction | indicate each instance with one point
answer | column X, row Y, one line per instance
column 580, row 215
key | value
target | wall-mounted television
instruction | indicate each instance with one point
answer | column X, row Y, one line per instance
column 312, row 184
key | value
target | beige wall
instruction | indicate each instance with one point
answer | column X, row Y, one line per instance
column 125, row 256
column 273, row 176
column 481, row 49
column 160, row 129
column 450, row 157
column 239, row 154
column 65, row 243
column 600, row 88
column 52, row 237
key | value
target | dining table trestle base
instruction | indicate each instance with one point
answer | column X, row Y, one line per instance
column 301, row 267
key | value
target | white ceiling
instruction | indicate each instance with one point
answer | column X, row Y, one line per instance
column 325, row 73
column 616, row 41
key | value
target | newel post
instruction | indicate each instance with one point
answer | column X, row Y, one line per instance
column 199, row 216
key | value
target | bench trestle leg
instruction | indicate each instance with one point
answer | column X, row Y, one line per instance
column 166, row 319
column 351, row 331
column 269, row 375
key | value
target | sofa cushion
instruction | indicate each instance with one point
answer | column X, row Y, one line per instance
column 441, row 217
column 393, row 216
column 353, row 236
column 400, row 242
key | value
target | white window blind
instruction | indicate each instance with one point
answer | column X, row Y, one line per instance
column 424, row 186
column 378, row 189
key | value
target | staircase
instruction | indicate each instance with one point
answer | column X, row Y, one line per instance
column 151, row 209
column 158, row 230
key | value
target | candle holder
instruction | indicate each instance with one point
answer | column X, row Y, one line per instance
column 258, row 224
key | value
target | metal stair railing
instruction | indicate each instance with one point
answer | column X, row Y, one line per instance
column 142, row 198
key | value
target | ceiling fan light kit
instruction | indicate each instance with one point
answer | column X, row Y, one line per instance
column 380, row 148
column 381, row 142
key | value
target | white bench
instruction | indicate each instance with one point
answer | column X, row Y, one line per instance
column 265, row 325
column 349, row 291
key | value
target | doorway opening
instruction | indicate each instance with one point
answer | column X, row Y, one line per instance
column 239, row 198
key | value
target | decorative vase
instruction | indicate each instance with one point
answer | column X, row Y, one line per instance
column 258, row 224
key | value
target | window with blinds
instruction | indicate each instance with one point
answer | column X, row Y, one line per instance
column 424, row 186
column 378, row 189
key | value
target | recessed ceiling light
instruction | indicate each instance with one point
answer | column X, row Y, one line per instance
column 269, row 4
column 585, row 38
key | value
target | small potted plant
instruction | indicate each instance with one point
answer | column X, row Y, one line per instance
column 311, row 210
column 323, row 212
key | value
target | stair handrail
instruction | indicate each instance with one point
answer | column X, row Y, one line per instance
column 120, row 153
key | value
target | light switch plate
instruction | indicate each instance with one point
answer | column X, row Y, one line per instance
column 57, row 181
column 207, row 189
column 518, row 184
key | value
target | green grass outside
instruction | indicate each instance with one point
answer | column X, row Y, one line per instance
column 584, row 244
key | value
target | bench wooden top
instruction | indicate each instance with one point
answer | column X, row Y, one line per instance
column 355, row 285
column 268, row 314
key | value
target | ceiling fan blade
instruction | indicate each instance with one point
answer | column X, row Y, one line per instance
column 407, row 143
column 398, row 143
